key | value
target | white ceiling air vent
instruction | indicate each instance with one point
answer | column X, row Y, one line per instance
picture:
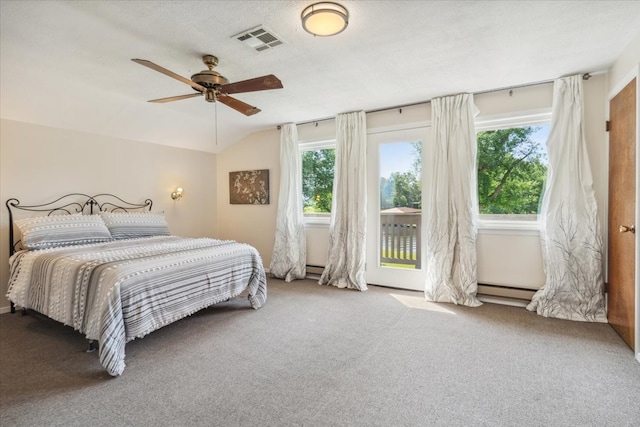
column 259, row 38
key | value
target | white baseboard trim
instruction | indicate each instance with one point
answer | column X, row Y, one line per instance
column 6, row 309
column 638, row 357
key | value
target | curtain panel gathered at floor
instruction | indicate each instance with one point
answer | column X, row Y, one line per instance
column 345, row 266
column 288, row 261
column 572, row 245
column 452, row 202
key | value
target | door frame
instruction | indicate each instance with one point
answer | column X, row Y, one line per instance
column 385, row 276
column 635, row 73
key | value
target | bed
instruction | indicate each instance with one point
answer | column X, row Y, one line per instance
column 111, row 270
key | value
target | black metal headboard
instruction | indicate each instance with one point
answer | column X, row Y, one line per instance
column 74, row 203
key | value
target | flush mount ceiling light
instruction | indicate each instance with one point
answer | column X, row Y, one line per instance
column 325, row 19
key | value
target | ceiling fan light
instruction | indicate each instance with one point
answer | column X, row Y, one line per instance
column 325, row 19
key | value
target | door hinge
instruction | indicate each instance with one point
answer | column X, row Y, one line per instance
column 607, row 126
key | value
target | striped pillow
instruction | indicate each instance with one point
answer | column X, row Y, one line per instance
column 128, row 225
column 62, row 230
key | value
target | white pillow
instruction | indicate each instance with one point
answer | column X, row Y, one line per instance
column 62, row 230
column 127, row 225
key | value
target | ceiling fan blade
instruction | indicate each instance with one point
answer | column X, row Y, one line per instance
column 238, row 105
column 166, row 72
column 252, row 85
column 176, row 98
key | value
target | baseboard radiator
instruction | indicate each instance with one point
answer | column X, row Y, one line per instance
column 508, row 295
column 314, row 271
column 498, row 294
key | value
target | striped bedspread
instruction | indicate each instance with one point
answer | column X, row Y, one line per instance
column 117, row 291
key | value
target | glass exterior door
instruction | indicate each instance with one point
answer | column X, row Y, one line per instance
column 394, row 246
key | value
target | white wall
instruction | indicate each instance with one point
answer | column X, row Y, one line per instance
column 503, row 259
column 253, row 224
column 39, row 164
column 625, row 64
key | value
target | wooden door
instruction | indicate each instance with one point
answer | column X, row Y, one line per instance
column 622, row 202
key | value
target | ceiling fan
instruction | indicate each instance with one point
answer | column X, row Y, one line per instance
column 215, row 87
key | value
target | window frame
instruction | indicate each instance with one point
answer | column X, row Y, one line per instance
column 506, row 121
column 315, row 219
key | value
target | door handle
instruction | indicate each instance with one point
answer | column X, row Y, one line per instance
column 624, row 228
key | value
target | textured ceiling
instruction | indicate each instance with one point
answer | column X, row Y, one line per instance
column 66, row 64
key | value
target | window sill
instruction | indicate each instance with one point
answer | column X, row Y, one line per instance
column 317, row 222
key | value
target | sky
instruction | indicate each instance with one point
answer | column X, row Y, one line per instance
column 396, row 157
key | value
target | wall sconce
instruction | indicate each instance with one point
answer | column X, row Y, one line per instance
column 325, row 19
column 177, row 194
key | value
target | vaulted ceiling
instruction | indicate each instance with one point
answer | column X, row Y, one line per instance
column 67, row 64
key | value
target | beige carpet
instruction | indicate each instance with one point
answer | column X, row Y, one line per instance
column 321, row 356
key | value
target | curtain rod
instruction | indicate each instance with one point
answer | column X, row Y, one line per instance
column 585, row 76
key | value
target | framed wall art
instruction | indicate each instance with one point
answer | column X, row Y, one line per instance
column 249, row 187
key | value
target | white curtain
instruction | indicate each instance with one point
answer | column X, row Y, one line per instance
column 346, row 261
column 289, row 251
column 571, row 243
column 452, row 202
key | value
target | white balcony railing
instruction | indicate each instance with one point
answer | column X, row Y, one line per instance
column 400, row 239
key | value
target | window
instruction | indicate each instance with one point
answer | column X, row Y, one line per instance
column 401, row 175
column 318, row 161
column 400, row 211
column 512, row 169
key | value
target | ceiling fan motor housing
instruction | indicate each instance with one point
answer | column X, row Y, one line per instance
column 209, row 78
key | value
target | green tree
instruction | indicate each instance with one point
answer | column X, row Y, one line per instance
column 317, row 179
column 407, row 190
column 404, row 189
column 511, row 171
column 417, row 160
column 386, row 192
